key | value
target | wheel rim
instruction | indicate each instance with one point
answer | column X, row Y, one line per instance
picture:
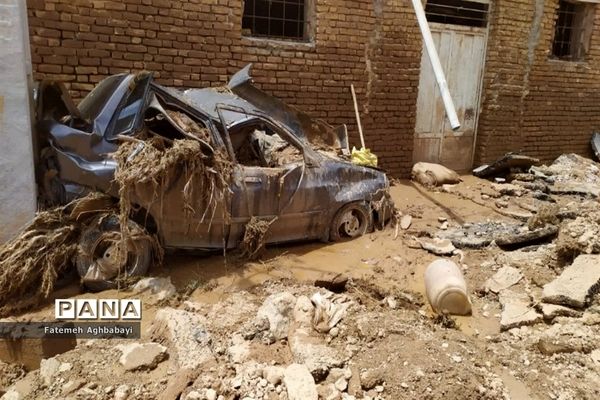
column 352, row 223
column 108, row 260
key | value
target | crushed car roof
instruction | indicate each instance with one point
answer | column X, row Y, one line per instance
column 241, row 94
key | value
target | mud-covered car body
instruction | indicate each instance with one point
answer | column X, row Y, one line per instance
column 300, row 195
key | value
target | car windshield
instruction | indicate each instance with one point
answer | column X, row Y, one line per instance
column 92, row 104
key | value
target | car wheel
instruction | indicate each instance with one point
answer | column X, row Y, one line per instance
column 99, row 261
column 351, row 221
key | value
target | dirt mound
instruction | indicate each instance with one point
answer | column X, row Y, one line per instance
column 579, row 236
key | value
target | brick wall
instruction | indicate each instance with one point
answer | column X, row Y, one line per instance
column 374, row 44
column 532, row 103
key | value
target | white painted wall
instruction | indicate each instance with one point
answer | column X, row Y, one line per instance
column 17, row 182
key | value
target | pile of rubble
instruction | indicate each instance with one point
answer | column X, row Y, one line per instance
column 531, row 280
column 279, row 341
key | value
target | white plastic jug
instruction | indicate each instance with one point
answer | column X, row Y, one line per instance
column 446, row 288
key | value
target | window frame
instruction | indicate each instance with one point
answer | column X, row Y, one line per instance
column 308, row 24
column 581, row 27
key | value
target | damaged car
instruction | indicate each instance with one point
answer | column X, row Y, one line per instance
column 193, row 168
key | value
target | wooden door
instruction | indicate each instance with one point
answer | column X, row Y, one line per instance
column 462, row 51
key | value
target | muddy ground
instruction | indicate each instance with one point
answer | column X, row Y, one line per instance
column 388, row 345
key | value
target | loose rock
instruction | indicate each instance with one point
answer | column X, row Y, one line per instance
column 122, row 392
column 273, row 374
column 405, row 221
column 440, row 247
column 48, row 369
column 142, row 356
column 277, row 310
column 314, row 353
column 300, row 383
column 184, row 334
column 371, row 377
column 161, row 288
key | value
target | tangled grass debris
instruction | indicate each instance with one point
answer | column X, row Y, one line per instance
column 254, row 239
column 152, row 166
column 155, row 163
column 31, row 262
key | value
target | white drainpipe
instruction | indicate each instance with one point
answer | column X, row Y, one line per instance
column 435, row 63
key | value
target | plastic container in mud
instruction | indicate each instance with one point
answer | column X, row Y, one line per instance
column 446, row 288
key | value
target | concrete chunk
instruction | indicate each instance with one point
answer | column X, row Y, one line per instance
column 576, row 284
column 567, row 338
column 503, row 279
column 551, row 311
column 516, row 311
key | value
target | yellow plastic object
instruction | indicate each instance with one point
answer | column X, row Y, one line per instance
column 364, row 157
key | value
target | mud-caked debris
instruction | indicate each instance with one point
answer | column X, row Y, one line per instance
column 525, row 236
column 505, row 165
column 478, row 235
column 548, row 214
column 9, row 373
column 31, row 263
column 255, row 235
column 580, row 236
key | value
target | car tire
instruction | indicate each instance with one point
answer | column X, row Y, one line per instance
column 98, row 246
column 351, row 221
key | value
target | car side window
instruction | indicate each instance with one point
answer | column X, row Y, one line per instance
column 129, row 114
column 256, row 144
column 92, row 104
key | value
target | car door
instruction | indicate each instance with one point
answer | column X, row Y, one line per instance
column 186, row 216
column 279, row 194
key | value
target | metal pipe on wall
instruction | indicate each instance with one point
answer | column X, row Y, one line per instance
column 435, row 63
